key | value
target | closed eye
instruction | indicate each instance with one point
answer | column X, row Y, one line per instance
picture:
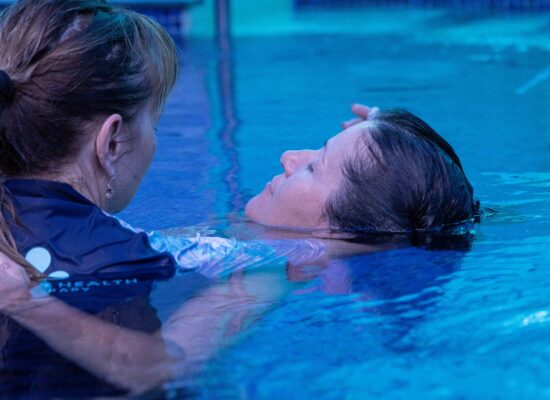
column 309, row 167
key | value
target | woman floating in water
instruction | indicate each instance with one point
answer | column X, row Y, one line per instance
column 390, row 174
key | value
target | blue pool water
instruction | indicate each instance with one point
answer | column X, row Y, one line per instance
column 398, row 323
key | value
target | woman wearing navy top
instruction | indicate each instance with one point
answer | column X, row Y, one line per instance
column 82, row 85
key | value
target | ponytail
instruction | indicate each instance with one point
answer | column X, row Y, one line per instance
column 7, row 242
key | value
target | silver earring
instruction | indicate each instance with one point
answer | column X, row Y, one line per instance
column 110, row 191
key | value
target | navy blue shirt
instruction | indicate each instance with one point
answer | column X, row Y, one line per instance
column 110, row 269
column 72, row 236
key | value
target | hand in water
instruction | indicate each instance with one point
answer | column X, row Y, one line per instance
column 14, row 283
column 363, row 113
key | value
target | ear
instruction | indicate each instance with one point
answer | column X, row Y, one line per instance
column 108, row 143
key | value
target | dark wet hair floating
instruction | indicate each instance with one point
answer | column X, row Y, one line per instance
column 6, row 88
column 403, row 177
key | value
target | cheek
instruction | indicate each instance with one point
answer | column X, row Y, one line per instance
column 151, row 146
column 145, row 155
column 141, row 158
column 154, row 140
column 298, row 206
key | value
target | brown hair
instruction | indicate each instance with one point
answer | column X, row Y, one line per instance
column 70, row 62
column 403, row 177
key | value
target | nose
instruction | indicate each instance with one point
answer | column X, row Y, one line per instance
column 292, row 160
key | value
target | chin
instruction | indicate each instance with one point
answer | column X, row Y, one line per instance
column 254, row 208
column 249, row 208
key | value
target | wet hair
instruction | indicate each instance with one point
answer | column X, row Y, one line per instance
column 65, row 64
column 402, row 178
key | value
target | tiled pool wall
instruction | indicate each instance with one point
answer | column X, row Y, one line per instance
column 175, row 15
column 501, row 5
column 171, row 14
column 179, row 17
column 173, row 18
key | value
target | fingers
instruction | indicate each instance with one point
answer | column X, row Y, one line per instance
column 351, row 122
column 236, row 323
column 11, row 271
column 236, row 283
column 4, row 259
column 362, row 112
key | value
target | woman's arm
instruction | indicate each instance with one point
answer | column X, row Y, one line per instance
column 129, row 359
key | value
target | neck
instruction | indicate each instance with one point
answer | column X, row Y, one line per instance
column 80, row 181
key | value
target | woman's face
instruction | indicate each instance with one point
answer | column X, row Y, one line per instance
column 136, row 161
column 297, row 197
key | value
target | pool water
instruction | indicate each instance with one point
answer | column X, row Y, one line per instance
column 398, row 323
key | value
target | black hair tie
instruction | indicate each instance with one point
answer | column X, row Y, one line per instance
column 6, row 87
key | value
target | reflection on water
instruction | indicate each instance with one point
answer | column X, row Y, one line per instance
column 350, row 311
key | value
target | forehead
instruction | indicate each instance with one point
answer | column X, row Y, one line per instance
column 343, row 145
